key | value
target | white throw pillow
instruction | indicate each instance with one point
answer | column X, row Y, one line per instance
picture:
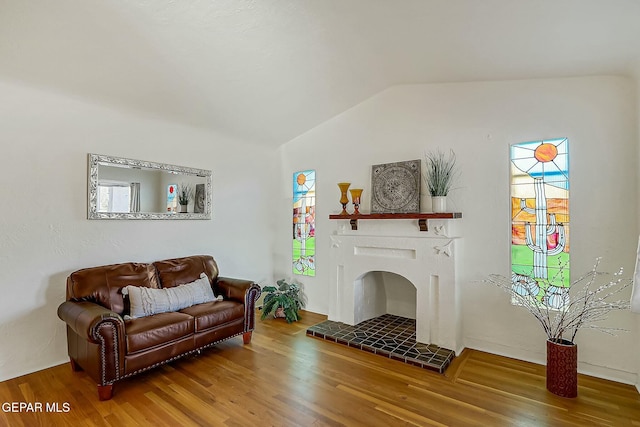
column 145, row 301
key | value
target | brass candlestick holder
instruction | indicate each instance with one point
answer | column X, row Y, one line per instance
column 356, row 193
column 344, row 200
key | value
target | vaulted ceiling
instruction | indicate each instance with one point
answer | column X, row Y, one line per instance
column 269, row 70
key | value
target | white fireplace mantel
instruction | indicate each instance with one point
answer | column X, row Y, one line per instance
column 426, row 259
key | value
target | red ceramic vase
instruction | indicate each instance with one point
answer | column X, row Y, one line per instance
column 562, row 368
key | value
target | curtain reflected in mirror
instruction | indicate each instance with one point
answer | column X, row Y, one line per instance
column 134, row 197
column 121, row 188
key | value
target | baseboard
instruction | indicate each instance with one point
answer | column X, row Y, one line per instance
column 607, row 373
column 540, row 358
column 505, row 351
column 6, row 376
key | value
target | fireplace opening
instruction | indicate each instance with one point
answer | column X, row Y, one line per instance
column 385, row 306
column 377, row 293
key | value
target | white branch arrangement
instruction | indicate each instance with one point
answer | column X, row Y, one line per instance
column 584, row 309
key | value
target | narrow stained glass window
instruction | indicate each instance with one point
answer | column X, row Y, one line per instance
column 304, row 223
column 540, row 220
column 172, row 201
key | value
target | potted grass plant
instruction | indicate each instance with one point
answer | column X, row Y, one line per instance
column 284, row 300
column 185, row 193
column 440, row 173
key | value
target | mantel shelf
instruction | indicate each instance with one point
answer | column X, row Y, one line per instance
column 421, row 217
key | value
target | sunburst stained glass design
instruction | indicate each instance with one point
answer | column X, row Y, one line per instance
column 540, row 220
column 304, row 223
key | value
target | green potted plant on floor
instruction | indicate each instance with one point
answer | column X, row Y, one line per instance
column 285, row 301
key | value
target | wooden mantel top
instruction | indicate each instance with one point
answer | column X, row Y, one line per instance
column 430, row 215
column 421, row 217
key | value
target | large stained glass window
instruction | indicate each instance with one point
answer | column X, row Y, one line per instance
column 304, row 223
column 540, row 220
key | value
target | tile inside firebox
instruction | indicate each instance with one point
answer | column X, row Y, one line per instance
column 388, row 336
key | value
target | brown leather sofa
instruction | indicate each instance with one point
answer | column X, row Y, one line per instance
column 109, row 348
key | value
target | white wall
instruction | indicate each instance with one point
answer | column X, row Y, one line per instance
column 44, row 233
column 637, row 340
column 479, row 121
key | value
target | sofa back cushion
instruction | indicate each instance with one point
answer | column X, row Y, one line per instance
column 103, row 284
column 178, row 271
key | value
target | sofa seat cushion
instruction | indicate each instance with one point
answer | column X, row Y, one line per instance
column 151, row 331
column 216, row 313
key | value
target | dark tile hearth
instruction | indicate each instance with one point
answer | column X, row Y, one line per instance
column 389, row 336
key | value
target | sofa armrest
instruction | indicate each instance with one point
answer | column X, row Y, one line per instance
column 238, row 289
column 242, row 291
column 96, row 326
column 85, row 317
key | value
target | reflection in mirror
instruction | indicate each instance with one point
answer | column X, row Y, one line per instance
column 121, row 188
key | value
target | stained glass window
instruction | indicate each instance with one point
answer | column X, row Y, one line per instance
column 304, row 223
column 172, row 201
column 540, row 220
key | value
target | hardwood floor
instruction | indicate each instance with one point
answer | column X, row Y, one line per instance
column 284, row 378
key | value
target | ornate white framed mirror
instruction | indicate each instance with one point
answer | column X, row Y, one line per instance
column 121, row 188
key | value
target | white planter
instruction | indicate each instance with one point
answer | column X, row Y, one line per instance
column 439, row 204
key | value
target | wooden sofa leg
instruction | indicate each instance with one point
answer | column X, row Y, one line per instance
column 246, row 337
column 105, row 392
column 74, row 366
